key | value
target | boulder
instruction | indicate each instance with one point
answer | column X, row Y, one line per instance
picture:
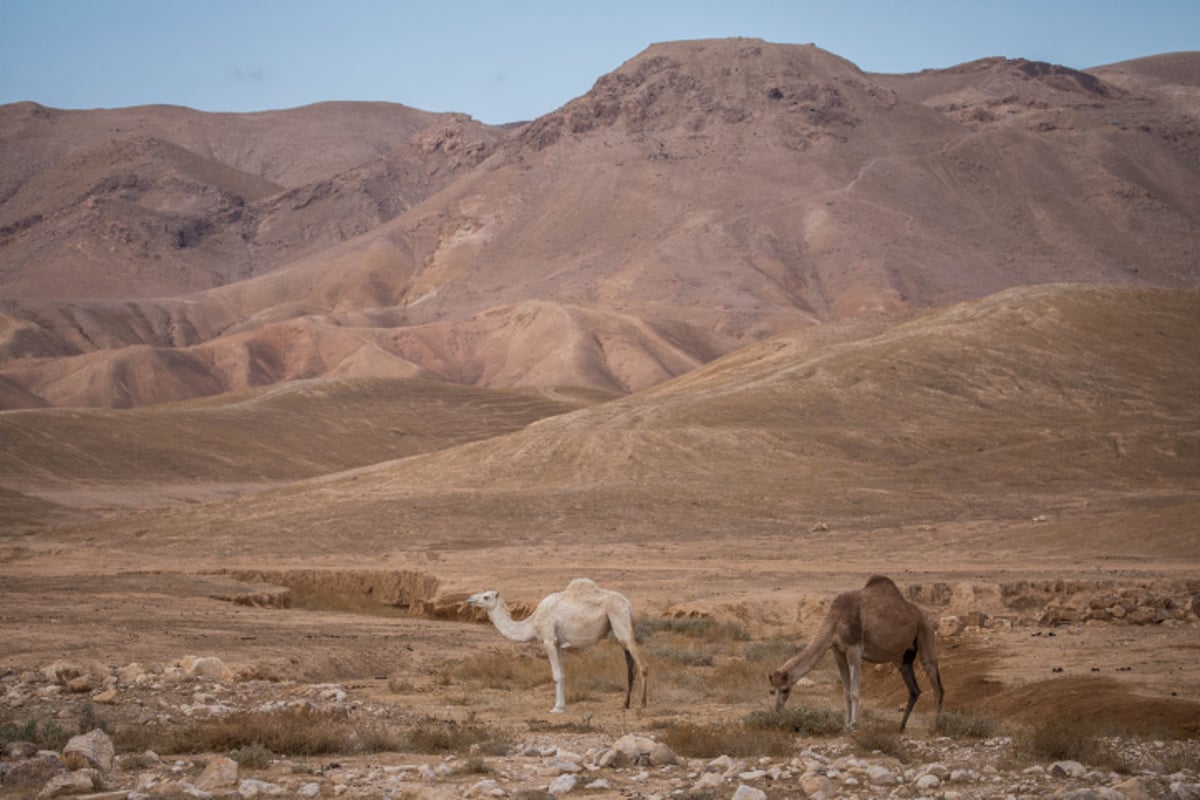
column 93, row 749
column 220, row 773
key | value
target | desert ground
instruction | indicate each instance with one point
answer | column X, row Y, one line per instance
column 1085, row 614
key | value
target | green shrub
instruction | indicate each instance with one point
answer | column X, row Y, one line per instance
column 965, row 725
column 806, row 721
column 739, row 741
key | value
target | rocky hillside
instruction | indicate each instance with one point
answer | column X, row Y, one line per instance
column 701, row 197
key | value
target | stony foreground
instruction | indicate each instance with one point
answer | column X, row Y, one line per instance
column 535, row 765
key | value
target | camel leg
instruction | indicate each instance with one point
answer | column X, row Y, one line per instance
column 929, row 660
column 854, row 656
column 629, row 665
column 622, row 629
column 844, row 669
column 556, row 671
column 910, row 680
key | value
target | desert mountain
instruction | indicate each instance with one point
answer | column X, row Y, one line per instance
column 703, row 196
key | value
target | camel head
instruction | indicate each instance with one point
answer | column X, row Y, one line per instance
column 485, row 600
column 781, row 687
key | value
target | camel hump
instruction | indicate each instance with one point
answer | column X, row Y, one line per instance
column 881, row 582
column 581, row 588
column 582, row 585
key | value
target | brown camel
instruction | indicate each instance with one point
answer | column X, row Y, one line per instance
column 875, row 624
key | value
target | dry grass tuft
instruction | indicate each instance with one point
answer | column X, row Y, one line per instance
column 706, row 628
column 966, row 725
column 297, row 731
column 805, row 721
column 438, row 736
column 886, row 739
column 495, row 669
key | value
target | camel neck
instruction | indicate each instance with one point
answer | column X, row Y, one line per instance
column 510, row 628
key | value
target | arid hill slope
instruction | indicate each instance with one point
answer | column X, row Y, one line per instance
column 703, row 196
column 1072, row 403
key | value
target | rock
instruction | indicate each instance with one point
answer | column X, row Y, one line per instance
column 252, row 787
column 131, row 674
column 881, row 776
column 563, row 784
column 1185, row 791
column 708, row 780
column 63, row 784
column 82, row 683
column 20, row 750
column 484, row 788
column 107, row 697
column 36, row 770
column 815, row 784
column 61, row 672
column 1068, row 769
column 1133, row 789
column 927, row 782
column 661, row 755
column 630, row 750
column 950, row 625
column 93, row 749
column 220, row 773
column 205, row 667
column 745, row 792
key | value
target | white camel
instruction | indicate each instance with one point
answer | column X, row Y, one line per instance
column 580, row 615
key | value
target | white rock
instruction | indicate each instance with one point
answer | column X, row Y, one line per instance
column 928, row 781
column 563, row 784
column 1068, row 769
column 745, row 792
column 70, row 783
column 252, row 787
column 881, row 776
column 93, row 749
column 205, row 667
column 483, row 788
column 814, row 783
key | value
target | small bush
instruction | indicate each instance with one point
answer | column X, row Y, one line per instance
column 47, row 736
column 806, row 721
column 706, row 628
column 965, row 725
column 292, row 731
column 499, row 670
column 89, row 721
column 253, row 756
column 437, row 736
column 693, row 656
column 882, row 739
column 1062, row 738
column 739, row 741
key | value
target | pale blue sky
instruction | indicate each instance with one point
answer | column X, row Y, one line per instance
column 508, row 60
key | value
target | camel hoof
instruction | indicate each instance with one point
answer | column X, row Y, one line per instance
column 557, row 710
